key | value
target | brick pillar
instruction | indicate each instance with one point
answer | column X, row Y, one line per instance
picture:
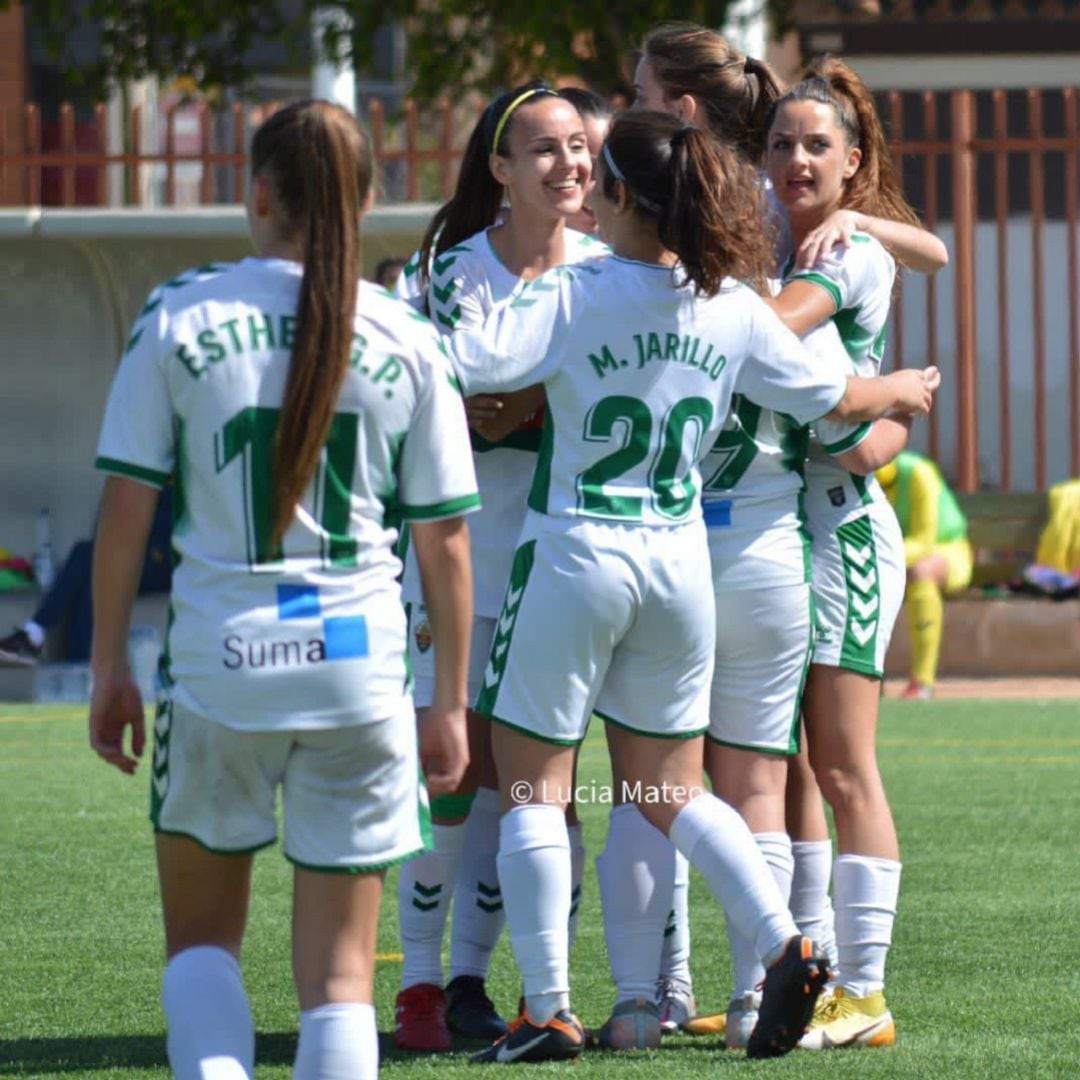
column 13, row 88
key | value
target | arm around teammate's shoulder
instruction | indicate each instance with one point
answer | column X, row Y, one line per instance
column 915, row 247
column 519, row 343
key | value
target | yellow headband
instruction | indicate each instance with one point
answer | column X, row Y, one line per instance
column 511, row 107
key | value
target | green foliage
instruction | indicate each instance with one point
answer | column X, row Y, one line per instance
column 204, row 40
column 453, row 45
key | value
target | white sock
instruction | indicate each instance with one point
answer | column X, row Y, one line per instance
column 810, row 905
column 478, row 910
column 534, row 870
column 748, row 969
column 636, row 872
column 211, row 1033
column 338, row 1042
column 675, row 952
column 866, row 893
column 424, row 890
column 721, row 848
column 35, row 632
column 577, row 876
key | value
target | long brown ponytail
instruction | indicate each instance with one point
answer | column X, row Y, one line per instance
column 703, row 198
column 735, row 92
column 478, row 196
column 874, row 189
column 317, row 159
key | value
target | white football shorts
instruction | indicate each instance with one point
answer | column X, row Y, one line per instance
column 607, row 618
column 352, row 796
column 764, row 641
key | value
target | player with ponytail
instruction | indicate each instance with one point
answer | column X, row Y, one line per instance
column 826, row 152
column 529, row 150
column 639, row 355
column 301, row 415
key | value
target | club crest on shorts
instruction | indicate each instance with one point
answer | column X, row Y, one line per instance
column 422, row 635
column 837, row 496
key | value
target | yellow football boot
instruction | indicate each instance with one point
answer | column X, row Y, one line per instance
column 842, row 1020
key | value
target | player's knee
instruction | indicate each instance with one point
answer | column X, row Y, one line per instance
column 845, row 788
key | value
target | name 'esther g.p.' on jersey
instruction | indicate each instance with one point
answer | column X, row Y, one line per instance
column 314, row 630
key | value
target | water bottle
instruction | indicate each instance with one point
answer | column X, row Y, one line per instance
column 44, row 563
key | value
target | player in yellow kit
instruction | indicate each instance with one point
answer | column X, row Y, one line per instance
column 937, row 556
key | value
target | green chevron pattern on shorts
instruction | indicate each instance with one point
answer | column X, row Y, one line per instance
column 859, row 556
column 504, row 632
column 159, row 763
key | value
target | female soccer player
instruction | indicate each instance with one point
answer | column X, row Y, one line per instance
column 826, row 151
column 758, row 542
column 596, row 114
column 529, row 147
column 301, row 413
column 639, row 356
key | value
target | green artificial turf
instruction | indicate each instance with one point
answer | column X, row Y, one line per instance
column 984, row 978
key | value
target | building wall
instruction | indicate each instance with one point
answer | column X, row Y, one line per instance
column 70, row 286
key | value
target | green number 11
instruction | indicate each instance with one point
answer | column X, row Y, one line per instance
column 249, row 435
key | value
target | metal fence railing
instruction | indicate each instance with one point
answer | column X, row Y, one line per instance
column 994, row 172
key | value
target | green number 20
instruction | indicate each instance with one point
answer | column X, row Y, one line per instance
column 250, row 435
column 673, row 490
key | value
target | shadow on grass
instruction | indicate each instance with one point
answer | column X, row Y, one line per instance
column 31, row 1057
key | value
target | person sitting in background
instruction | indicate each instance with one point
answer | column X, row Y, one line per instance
column 388, row 271
column 70, row 598
column 937, row 555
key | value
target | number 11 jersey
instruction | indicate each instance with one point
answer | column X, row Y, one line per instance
column 310, row 634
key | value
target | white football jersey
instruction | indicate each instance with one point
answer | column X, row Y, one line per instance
column 311, row 634
column 467, row 282
column 752, row 485
column 859, row 278
column 639, row 375
column 408, row 286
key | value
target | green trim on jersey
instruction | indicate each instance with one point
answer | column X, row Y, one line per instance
column 858, row 554
column 520, row 569
column 862, row 488
column 435, row 511
column 816, row 278
column 540, row 491
column 367, row 868
column 857, row 341
column 841, row 446
column 649, row 734
column 132, row 472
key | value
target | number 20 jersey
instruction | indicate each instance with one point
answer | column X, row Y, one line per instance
column 311, row 635
column 639, row 374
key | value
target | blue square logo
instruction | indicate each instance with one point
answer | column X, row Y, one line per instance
column 346, row 638
column 298, row 602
